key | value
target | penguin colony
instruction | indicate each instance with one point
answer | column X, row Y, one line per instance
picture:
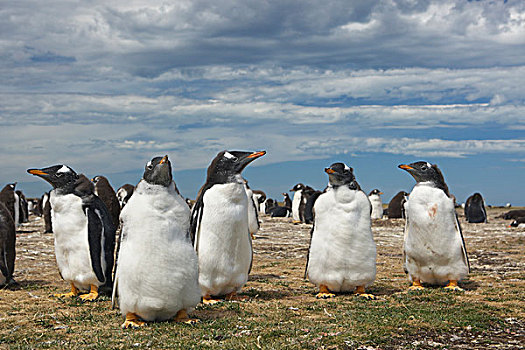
column 171, row 257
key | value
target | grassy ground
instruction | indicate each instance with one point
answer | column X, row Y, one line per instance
column 282, row 312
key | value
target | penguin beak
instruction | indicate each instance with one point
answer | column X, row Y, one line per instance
column 329, row 171
column 381, row 193
column 164, row 159
column 256, row 154
column 405, row 167
column 37, row 172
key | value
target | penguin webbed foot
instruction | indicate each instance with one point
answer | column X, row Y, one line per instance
column 182, row 317
column 208, row 300
column 74, row 292
column 92, row 295
column 416, row 286
column 324, row 293
column 360, row 292
column 132, row 321
column 453, row 286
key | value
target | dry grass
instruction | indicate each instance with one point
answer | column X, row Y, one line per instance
column 282, row 311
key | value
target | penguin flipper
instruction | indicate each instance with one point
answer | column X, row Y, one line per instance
column 309, row 244
column 405, row 232
column 463, row 246
column 95, row 234
column 114, row 295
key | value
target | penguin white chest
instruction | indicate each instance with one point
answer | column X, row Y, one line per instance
column 223, row 241
column 434, row 251
column 157, row 269
column 70, row 226
column 296, row 203
column 342, row 251
column 377, row 206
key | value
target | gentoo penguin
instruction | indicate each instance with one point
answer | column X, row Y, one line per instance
column 105, row 192
column 342, row 253
column 268, row 205
column 434, row 249
column 297, row 202
column 258, row 198
column 396, row 209
column 124, row 194
column 84, row 231
column 513, row 214
column 475, row 209
column 519, row 222
column 219, row 227
column 377, row 205
column 46, row 212
column 253, row 217
column 280, row 212
column 156, row 278
column 7, row 245
column 10, row 199
column 23, row 209
column 309, row 207
column 287, row 201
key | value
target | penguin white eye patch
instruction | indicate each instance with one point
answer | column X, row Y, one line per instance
column 64, row 169
column 229, row 155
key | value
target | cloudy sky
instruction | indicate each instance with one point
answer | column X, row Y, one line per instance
column 104, row 88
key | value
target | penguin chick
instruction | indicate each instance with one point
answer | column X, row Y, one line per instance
column 157, row 272
column 220, row 229
column 434, row 249
column 84, row 232
column 342, row 253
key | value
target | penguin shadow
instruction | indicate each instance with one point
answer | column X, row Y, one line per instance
column 383, row 290
column 25, row 231
column 469, row 285
column 15, row 285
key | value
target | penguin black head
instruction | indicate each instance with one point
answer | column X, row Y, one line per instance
column 340, row 174
column 297, row 187
column 375, row 191
column 426, row 172
column 99, row 178
column 158, row 171
column 477, row 198
column 228, row 164
column 60, row 176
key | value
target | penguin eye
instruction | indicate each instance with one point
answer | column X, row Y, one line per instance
column 424, row 167
column 150, row 167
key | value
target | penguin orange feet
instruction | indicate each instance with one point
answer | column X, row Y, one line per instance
column 324, row 293
column 360, row 291
column 74, row 292
column 182, row 316
column 208, row 300
column 296, row 222
column 253, row 236
column 416, row 285
column 234, row 297
column 453, row 285
column 92, row 295
column 132, row 321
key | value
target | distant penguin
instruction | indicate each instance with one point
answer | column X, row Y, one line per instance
column 253, row 217
column 10, row 199
column 23, row 209
column 157, row 274
column 513, row 214
column 259, row 197
column 84, row 231
column 342, row 253
column 434, row 249
column 280, row 212
column 7, row 245
column 519, row 222
column 287, row 201
column 296, row 202
column 377, row 205
column 396, row 206
column 124, row 193
column 105, row 192
column 309, row 207
column 219, row 227
column 46, row 212
column 475, row 209
column 268, row 205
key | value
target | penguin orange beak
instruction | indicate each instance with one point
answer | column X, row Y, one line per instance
column 329, row 171
column 164, row 159
column 257, row 154
column 405, row 167
column 381, row 193
column 36, row 172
